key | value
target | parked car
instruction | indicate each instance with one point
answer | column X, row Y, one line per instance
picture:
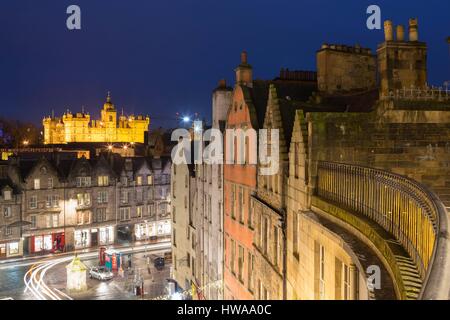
column 100, row 273
column 159, row 263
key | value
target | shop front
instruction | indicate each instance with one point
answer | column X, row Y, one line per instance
column 10, row 249
column 102, row 236
column 163, row 228
column 82, row 238
column 46, row 243
column 145, row 230
column 124, row 233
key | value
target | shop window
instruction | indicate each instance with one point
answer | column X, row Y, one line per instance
column 82, row 238
column 106, row 235
column 13, row 248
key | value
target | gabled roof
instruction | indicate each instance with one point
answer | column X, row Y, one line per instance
column 6, row 182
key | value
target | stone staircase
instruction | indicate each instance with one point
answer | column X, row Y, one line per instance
column 410, row 277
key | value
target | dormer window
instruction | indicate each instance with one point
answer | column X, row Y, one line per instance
column 139, row 180
column 37, row 184
column 83, row 181
column 7, row 195
column 103, row 181
column 50, row 183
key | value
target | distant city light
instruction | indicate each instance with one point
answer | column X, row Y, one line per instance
column 26, row 142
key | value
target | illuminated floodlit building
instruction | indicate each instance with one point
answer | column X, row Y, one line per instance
column 79, row 127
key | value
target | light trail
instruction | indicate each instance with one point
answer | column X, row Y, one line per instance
column 34, row 278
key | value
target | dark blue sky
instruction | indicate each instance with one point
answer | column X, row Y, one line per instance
column 162, row 57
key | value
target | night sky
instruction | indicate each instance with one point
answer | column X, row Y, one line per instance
column 166, row 56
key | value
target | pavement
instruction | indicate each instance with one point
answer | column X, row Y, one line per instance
column 45, row 278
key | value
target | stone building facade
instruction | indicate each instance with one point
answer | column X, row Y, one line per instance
column 74, row 204
column 79, row 127
column 342, row 68
column 184, row 240
column 11, row 243
column 245, row 112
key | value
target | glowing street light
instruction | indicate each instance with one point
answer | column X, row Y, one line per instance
column 26, row 142
column 186, row 119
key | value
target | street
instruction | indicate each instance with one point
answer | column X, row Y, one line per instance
column 45, row 279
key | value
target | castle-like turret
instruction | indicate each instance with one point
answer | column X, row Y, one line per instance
column 78, row 127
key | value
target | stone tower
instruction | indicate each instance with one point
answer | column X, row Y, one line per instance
column 401, row 63
column 342, row 68
column 109, row 113
column 221, row 101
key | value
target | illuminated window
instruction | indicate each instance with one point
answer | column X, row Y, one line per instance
column 103, row 180
column 139, row 211
column 7, row 195
column 37, row 184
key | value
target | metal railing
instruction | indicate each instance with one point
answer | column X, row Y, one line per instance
column 420, row 94
column 401, row 206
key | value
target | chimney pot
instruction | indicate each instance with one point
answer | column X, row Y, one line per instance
column 413, row 30
column 222, row 83
column 388, row 34
column 400, row 33
column 244, row 57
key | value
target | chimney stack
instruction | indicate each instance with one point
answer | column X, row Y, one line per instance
column 400, row 33
column 413, row 30
column 244, row 71
column 388, row 32
column 222, row 83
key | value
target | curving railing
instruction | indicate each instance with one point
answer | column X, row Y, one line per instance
column 403, row 207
